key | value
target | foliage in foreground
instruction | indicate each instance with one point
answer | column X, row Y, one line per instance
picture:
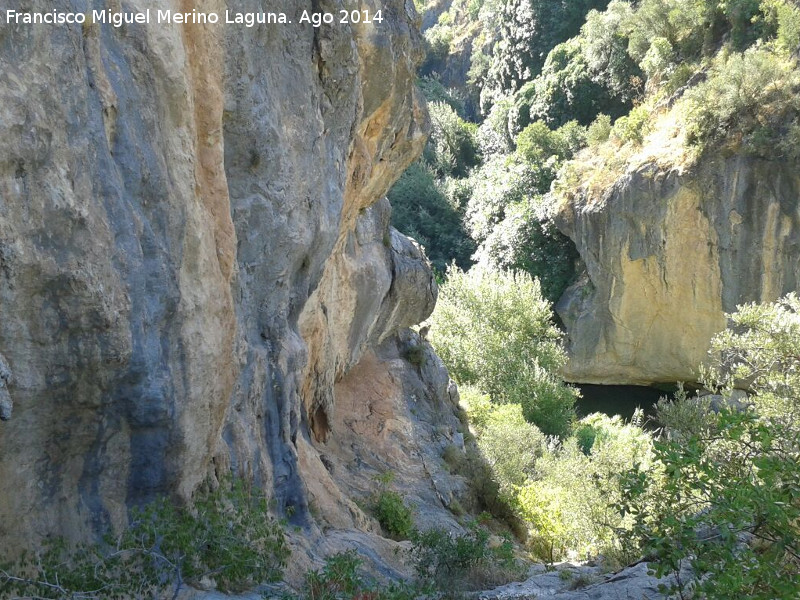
column 226, row 536
column 445, row 563
column 729, row 500
column 340, row 579
column 569, row 503
column 563, row 492
column 464, row 562
column 494, row 330
column 509, row 444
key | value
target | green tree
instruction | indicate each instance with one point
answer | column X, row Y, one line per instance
column 751, row 93
column 452, row 147
column 529, row 29
column 570, row 503
column 421, row 210
column 528, row 240
column 495, row 330
column 509, row 444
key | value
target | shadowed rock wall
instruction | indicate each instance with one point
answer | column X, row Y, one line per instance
column 190, row 253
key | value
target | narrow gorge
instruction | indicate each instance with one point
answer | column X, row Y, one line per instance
column 355, row 267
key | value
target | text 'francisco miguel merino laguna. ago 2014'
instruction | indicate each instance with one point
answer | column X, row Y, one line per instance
column 248, row 19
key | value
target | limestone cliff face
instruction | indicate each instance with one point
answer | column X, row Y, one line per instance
column 190, row 251
column 667, row 252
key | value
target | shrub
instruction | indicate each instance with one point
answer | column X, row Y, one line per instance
column 500, row 183
column 510, row 445
column 564, row 91
column 570, row 503
column 599, row 131
column 748, row 94
column 415, row 355
column 391, row 510
column 463, row 562
column 632, row 127
column 528, row 30
column 434, row 91
column 438, row 39
column 537, row 143
column 227, row 535
column 494, row 137
column 784, row 18
column 420, row 210
column 494, row 330
column 585, row 435
column 452, row 147
column 485, row 493
column 729, row 501
column 605, row 41
column 340, row 579
column 394, row 515
column 528, row 240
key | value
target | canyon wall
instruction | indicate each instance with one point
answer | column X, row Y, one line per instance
column 191, row 253
column 666, row 252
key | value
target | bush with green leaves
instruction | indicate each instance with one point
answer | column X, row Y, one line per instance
column 528, row 240
column 783, row 18
column 434, row 91
column 526, row 31
column 605, row 39
column 227, row 536
column 565, row 90
column 437, row 41
column 464, row 562
column 394, row 515
column 483, row 480
column 421, row 211
column 570, row 504
column 494, row 330
column 391, row 510
column 599, row 131
column 755, row 94
column 633, row 127
column 452, row 147
column 508, row 443
column 494, row 136
column 586, row 75
column 341, row 579
column 501, row 182
column 537, row 143
column 728, row 503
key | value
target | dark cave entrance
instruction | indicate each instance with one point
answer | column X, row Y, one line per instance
column 620, row 400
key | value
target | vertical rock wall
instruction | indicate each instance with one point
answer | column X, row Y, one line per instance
column 667, row 253
column 189, row 255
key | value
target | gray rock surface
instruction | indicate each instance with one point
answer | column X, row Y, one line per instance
column 571, row 582
column 667, row 251
column 191, row 256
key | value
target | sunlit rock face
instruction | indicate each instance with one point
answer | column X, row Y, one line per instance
column 667, row 252
column 191, row 253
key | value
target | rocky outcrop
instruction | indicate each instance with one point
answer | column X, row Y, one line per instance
column 667, row 252
column 571, row 582
column 190, row 254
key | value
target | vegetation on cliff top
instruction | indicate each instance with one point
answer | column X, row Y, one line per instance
column 564, row 95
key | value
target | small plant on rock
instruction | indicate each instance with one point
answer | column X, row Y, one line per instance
column 391, row 510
